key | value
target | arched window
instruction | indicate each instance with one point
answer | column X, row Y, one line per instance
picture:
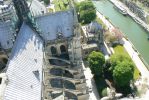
column 70, row 95
column 61, row 72
column 63, row 49
column 62, row 83
column 53, row 50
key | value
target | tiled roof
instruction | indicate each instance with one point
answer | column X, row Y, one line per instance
column 51, row 24
column 25, row 67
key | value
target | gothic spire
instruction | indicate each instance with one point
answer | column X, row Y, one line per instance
column 24, row 15
column 22, row 10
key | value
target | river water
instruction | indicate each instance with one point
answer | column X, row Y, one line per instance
column 136, row 34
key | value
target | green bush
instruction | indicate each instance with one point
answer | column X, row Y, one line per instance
column 96, row 61
column 104, row 92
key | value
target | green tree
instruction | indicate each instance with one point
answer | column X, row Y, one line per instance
column 86, row 11
column 46, row 2
column 96, row 61
column 123, row 73
column 122, row 69
column 116, row 59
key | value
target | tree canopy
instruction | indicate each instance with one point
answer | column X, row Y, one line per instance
column 118, row 58
column 122, row 69
column 113, row 36
column 86, row 11
column 46, row 2
column 123, row 73
column 96, row 61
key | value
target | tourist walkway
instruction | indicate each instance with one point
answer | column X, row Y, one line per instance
column 136, row 59
column 142, row 23
column 105, row 21
column 93, row 94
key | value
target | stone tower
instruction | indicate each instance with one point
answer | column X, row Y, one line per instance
column 22, row 10
column 74, row 49
column 8, row 23
column 24, row 15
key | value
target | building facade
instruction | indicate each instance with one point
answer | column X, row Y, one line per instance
column 8, row 23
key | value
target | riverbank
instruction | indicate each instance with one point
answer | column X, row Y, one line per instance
column 134, row 55
column 132, row 15
column 129, row 48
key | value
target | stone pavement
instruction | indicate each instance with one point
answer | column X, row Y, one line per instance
column 136, row 59
column 93, row 94
column 105, row 21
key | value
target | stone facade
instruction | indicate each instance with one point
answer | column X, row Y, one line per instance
column 8, row 21
column 92, row 38
column 137, row 10
column 63, row 78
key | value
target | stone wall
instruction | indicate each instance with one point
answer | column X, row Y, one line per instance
column 136, row 10
column 144, row 2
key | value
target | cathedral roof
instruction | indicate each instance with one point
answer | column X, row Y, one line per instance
column 53, row 24
column 25, row 67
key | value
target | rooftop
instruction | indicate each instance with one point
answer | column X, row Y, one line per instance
column 25, row 67
column 91, row 29
column 53, row 24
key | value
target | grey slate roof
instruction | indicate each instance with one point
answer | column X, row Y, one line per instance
column 25, row 67
column 51, row 24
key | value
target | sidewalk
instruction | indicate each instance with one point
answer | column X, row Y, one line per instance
column 136, row 59
column 106, row 22
column 93, row 94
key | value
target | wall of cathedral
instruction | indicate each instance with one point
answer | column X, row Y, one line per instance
column 56, row 48
column 8, row 20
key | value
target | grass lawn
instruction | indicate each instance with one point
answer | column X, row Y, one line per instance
column 121, row 50
column 60, row 5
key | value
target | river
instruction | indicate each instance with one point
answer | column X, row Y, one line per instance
column 136, row 34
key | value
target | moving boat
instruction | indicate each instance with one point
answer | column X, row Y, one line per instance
column 121, row 9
